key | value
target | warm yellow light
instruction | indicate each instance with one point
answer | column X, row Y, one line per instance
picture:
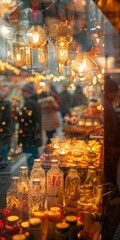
column 21, row 52
column 62, row 53
column 7, row 6
column 83, row 68
column 36, row 37
column 18, row 57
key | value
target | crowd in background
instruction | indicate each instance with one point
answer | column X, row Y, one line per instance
column 40, row 113
column 43, row 113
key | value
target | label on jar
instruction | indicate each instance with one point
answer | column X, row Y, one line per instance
column 54, row 191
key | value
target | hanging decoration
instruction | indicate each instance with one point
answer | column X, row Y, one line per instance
column 62, row 53
column 36, row 37
column 21, row 52
column 7, row 6
column 36, row 15
column 83, row 68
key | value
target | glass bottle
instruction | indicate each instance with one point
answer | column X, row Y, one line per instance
column 85, row 206
column 23, row 191
column 12, row 197
column 91, row 179
column 38, row 172
column 36, row 198
column 72, row 190
column 55, row 185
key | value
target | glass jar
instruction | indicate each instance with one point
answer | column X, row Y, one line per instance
column 55, row 185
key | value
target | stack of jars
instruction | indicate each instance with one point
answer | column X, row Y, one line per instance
column 48, row 206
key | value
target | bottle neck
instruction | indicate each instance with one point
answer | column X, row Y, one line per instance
column 54, row 165
column 37, row 165
column 14, row 185
column 36, row 187
column 24, row 177
column 73, row 171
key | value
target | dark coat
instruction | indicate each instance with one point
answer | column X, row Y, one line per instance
column 111, row 141
column 65, row 102
column 6, row 125
column 29, row 124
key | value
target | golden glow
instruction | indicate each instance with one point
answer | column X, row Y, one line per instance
column 29, row 113
column 20, row 131
column 2, row 108
column 20, row 113
column 21, row 52
column 62, row 53
column 20, row 144
column 36, row 37
column 22, row 120
column 83, row 68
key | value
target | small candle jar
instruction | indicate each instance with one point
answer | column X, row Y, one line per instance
column 53, row 218
column 44, row 223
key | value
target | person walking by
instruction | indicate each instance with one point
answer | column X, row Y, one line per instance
column 49, row 118
column 65, row 101
column 78, row 97
column 29, row 134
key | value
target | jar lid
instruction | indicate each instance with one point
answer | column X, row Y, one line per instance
column 19, row 237
column 23, row 168
column 25, row 224
column 15, row 178
column 62, row 226
column 71, row 219
column 36, row 180
column 54, row 209
column 34, row 222
column 37, row 160
column 54, row 161
column 40, row 214
column 12, row 219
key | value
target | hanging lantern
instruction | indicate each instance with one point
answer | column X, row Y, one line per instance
column 7, row 6
column 62, row 53
column 21, row 52
column 83, row 68
column 43, row 55
column 36, row 36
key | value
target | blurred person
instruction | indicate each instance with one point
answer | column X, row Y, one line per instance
column 56, row 95
column 111, row 216
column 29, row 134
column 49, row 118
column 5, row 128
column 6, row 89
column 65, row 101
column 112, row 131
column 78, row 97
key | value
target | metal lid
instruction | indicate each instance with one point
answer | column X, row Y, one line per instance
column 71, row 219
column 19, row 237
column 34, row 222
column 62, row 226
column 12, row 219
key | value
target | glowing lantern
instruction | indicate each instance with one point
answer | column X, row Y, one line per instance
column 36, row 36
column 21, row 52
column 62, row 53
